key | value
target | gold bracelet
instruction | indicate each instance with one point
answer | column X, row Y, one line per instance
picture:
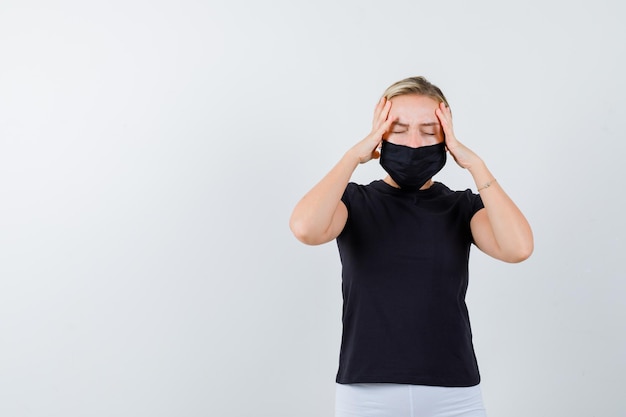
column 487, row 185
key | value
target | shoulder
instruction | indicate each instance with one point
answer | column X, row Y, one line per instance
column 444, row 189
column 359, row 191
column 465, row 198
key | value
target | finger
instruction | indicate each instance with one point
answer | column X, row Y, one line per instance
column 386, row 126
column 445, row 122
column 383, row 115
column 448, row 134
column 448, row 112
column 444, row 112
column 376, row 137
column 379, row 108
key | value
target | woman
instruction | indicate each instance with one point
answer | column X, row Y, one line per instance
column 404, row 244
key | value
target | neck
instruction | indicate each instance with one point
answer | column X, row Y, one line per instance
column 391, row 182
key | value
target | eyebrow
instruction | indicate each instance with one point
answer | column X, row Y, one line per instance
column 400, row 124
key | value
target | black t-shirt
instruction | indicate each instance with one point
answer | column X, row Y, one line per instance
column 404, row 262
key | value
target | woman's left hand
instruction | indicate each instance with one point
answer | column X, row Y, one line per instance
column 462, row 155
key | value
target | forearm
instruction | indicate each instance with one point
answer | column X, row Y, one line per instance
column 320, row 216
column 313, row 215
column 511, row 230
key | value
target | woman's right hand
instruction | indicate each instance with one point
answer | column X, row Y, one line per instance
column 368, row 148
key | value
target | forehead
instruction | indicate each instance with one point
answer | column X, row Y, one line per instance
column 414, row 107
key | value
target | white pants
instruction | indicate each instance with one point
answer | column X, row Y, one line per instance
column 403, row 400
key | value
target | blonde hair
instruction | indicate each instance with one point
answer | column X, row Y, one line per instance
column 415, row 85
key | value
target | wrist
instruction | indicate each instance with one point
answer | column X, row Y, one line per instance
column 477, row 167
column 481, row 175
column 351, row 158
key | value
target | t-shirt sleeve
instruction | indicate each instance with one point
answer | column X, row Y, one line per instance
column 476, row 203
column 346, row 198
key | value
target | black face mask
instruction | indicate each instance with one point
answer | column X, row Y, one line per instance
column 410, row 167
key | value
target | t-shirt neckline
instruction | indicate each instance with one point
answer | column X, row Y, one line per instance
column 382, row 186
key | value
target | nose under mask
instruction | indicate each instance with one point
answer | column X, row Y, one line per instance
column 410, row 167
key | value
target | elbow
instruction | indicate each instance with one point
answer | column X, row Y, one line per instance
column 521, row 254
column 303, row 232
column 522, row 249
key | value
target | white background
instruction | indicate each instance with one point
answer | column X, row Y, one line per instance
column 151, row 153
